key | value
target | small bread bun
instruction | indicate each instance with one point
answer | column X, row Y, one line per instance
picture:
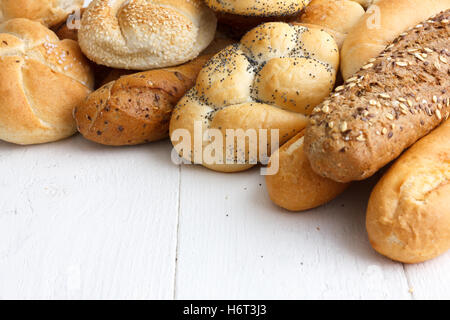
column 142, row 35
column 408, row 217
column 380, row 25
column 272, row 79
column 296, row 187
column 48, row 12
column 336, row 16
column 136, row 108
column 258, row 8
column 41, row 80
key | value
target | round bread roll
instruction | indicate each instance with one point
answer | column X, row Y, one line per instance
column 272, row 79
column 380, row 25
column 296, row 187
column 337, row 16
column 258, row 8
column 408, row 217
column 48, row 12
column 41, row 80
column 145, row 34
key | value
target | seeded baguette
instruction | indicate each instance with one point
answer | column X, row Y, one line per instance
column 393, row 101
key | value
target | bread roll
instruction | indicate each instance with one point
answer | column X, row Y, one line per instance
column 258, row 8
column 48, row 12
column 337, row 16
column 296, row 187
column 381, row 24
column 41, row 80
column 270, row 80
column 136, row 108
column 142, row 35
column 392, row 102
column 408, row 217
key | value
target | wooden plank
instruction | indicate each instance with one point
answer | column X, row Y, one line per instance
column 430, row 280
column 79, row 220
column 233, row 243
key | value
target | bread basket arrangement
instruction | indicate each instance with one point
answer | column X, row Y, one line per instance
column 322, row 93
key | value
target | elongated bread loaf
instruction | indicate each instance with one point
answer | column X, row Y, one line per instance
column 136, row 108
column 408, row 217
column 48, row 12
column 296, row 187
column 392, row 102
column 380, row 25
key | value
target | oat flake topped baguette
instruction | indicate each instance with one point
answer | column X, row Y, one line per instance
column 393, row 101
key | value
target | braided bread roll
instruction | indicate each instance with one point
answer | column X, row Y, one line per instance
column 272, row 79
column 41, row 80
column 48, row 12
column 145, row 34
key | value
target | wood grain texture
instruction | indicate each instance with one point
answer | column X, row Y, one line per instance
column 78, row 220
column 233, row 243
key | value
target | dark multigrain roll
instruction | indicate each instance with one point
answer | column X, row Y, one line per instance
column 393, row 101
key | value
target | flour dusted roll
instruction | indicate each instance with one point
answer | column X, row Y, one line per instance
column 41, row 80
column 393, row 101
column 408, row 217
column 295, row 186
column 337, row 16
column 145, row 34
column 272, row 79
column 380, row 25
column 48, row 12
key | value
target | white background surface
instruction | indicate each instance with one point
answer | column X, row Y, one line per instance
column 80, row 220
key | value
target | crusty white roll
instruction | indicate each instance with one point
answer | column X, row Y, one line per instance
column 41, row 80
column 380, row 25
column 258, row 8
column 337, row 16
column 296, row 187
column 408, row 217
column 48, row 12
column 143, row 34
column 272, row 79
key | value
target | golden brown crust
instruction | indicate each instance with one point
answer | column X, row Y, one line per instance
column 296, row 187
column 380, row 25
column 270, row 80
column 48, row 12
column 142, row 35
column 258, row 8
column 408, row 217
column 336, row 15
column 41, row 81
column 136, row 108
column 392, row 102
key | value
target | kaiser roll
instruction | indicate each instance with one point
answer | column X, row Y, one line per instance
column 48, row 12
column 145, row 34
column 41, row 80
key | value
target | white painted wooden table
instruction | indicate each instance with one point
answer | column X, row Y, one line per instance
column 80, row 220
column 83, row 221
